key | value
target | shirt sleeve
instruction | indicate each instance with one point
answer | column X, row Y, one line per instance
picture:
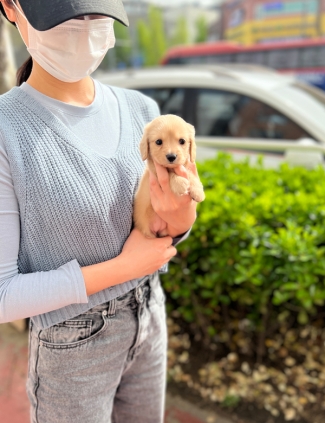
column 26, row 295
column 176, row 241
column 181, row 238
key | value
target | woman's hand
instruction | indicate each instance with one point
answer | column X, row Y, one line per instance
column 179, row 212
column 143, row 256
column 140, row 257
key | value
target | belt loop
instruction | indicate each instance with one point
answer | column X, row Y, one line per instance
column 111, row 308
column 139, row 294
column 153, row 281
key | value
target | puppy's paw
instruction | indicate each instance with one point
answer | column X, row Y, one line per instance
column 149, row 234
column 179, row 185
column 162, row 233
column 197, row 194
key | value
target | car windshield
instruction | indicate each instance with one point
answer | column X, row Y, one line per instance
column 311, row 99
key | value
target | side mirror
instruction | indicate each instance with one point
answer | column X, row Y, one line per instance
column 304, row 157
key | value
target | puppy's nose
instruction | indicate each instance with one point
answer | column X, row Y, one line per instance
column 171, row 157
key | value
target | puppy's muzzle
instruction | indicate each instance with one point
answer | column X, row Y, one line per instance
column 171, row 157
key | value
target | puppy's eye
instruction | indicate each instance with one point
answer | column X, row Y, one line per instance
column 182, row 141
column 159, row 142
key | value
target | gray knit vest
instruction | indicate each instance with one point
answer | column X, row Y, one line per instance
column 74, row 204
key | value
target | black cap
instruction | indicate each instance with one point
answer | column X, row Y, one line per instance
column 46, row 14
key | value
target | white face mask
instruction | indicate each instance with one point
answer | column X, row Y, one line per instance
column 72, row 50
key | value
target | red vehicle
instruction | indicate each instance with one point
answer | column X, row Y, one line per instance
column 304, row 58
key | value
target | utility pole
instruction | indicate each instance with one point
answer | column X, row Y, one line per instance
column 7, row 63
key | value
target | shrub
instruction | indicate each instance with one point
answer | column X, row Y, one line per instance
column 256, row 252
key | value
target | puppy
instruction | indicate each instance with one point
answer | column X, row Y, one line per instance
column 169, row 141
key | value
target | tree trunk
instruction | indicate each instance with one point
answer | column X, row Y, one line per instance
column 7, row 64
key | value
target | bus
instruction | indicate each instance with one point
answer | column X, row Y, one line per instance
column 303, row 58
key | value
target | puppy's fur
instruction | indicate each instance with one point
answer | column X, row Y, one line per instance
column 169, row 141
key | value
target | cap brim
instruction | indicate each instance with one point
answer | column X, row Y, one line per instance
column 44, row 14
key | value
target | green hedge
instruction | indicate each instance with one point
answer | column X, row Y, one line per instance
column 257, row 250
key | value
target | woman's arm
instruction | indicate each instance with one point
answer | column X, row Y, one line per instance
column 140, row 256
column 26, row 295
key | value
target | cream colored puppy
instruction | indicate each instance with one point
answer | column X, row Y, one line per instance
column 169, row 141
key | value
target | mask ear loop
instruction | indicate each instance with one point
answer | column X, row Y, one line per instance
column 19, row 15
column 17, row 10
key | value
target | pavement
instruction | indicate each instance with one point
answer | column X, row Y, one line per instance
column 14, row 407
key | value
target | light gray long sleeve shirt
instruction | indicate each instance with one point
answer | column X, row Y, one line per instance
column 94, row 124
column 24, row 295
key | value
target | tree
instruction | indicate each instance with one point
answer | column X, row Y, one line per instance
column 7, row 68
column 181, row 35
column 201, row 29
column 123, row 46
column 157, row 30
column 151, row 37
column 145, row 43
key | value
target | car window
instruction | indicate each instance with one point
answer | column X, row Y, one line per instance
column 255, row 57
column 170, row 100
column 196, row 59
column 259, row 57
column 175, row 61
column 218, row 58
column 283, row 58
column 245, row 57
column 312, row 57
column 227, row 114
column 215, row 109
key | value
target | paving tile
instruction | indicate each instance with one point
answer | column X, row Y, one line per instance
column 175, row 415
column 14, row 406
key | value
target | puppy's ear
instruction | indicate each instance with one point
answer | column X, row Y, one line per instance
column 144, row 143
column 192, row 142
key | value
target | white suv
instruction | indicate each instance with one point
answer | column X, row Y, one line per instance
column 237, row 107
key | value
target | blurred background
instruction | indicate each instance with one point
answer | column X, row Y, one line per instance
column 246, row 293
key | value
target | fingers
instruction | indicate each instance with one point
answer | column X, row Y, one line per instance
column 153, row 180
column 172, row 250
column 169, row 244
column 163, row 177
column 181, row 171
column 192, row 168
column 155, row 188
column 168, row 241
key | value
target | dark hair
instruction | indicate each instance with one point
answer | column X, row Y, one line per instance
column 25, row 69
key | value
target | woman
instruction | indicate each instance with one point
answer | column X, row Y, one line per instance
column 69, row 168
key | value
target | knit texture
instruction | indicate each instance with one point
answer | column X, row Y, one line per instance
column 74, row 204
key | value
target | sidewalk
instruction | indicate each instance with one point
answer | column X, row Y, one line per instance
column 14, row 406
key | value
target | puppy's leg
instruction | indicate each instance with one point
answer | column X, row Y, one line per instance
column 143, row 223
column 143, row 213
column 196, row 188
column 178, row 184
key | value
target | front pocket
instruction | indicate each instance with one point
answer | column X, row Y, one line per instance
column 73, row 333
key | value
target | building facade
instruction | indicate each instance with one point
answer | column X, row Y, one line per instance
column 261, row 21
